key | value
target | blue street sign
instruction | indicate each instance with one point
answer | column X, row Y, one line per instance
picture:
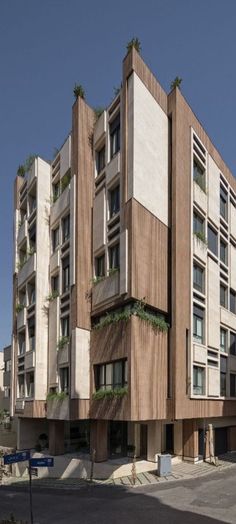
column 16, row 457
column 45, row 462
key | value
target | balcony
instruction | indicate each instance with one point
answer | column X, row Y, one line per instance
column 6, row 378
column 199, row 249
column 227, row 318
column 21, row 319
column 63, row 355
column 200, row 197
column 100, row 128
column 58, row 409
column 32, row 174
column 29, row 360
column 27, row 270
column 113, row 168
column 106, row 289
column 22, row 232
column 60, row 205
column 19, row 405
column 55, row 261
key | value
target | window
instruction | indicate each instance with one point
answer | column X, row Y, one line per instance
column 55, row 239
column 198, row 324
column 223, row 374
column 232, row 300
column 115, row 136
column 223, row 296
column 212, row 240
column 198, row 277
column 21, row 386
column 223, row 252
column 114, row 257
column 65, row 326
column 198, row 380
column 64, row 379
column 112, row 375
column 232, row 348
column 66, row 228
column 199, row 174
column 7, row 392
column 223, row 340
column 101, row 159
column 7, row 366
column 55, row 191
column 30, row 384
column 232, row 385
column 55, row 283
column 65, row 274
column 21, row 344
column 100, row 266
column 198, row 224
column 114, row 201
column 223, row 203
column 31, row 330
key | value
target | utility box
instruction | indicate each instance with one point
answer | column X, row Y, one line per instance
column 164, row 465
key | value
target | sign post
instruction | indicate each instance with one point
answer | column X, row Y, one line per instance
column 30, row 494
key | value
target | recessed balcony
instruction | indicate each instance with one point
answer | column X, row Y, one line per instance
column 199, row 248
column 113, row 168
column 106, row 289
column 29, row 360
column 55, row 261
column 200, row 197
column 22, row 232
column 63, row 355
column 58, row 408
column 100, row 128
column 21, row 318
column 27, row 270
column 60, row 205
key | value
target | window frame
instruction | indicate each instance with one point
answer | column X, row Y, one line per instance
column 198, row 316
column 211, row 231
column 196, row 386
column 196, row 285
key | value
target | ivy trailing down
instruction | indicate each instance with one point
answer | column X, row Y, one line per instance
column 57, row 396
column 110, row 393
column 138, row 309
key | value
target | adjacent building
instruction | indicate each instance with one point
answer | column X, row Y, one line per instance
column 124, row 322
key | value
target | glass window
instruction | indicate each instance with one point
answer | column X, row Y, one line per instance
column 232, row 301
column 199, row 174
column 198, row 380
column 198, row 224
column 115, row 136
column 112, row 375
column 223, row 296
column 30, row 384
column 65, row 274
column 198, row 277
column 55, row 283
column 232, row 348
column 114, row 257
column 55, row 191
column 114, row 201
column 55, row 238
column 7, row 366
column 64, row 379
column 65, row 326
column 223, row 340
column 100, row 266
column 101, row 159
column 223, row 252
column 232, row 385
column 223, row 203
column 65, row 228
column 21, row 386
column 31, row 331
column 212, row 240
column 198, row 324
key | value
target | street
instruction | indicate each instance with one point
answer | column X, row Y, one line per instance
column 205, row 500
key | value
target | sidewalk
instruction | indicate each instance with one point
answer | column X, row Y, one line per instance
column 180, row 471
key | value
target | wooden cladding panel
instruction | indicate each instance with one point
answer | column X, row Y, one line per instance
column 82, row 167
column 34, row 409
column 190, row 439
column 150, row 259
column 79, row 409
column 148, row 362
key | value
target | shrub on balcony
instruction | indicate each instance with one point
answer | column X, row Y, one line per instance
column 62, row 395
column 21, row 263
column 52, row 296
column 65, row 182
column 79, row 91
column 201, row 236
column 31, row 251
column 19, row 307
column 96, row 280
column 110, row 393
column 98, row 111
column 62, row 342
column 113, row 270
column 21, row 171
column 134, row 42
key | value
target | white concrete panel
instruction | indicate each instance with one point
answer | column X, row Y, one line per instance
column 232, row 272
column 80, row 371
column 130, row 137
column 113, row 168
column 213, row 191
column 124, row 262
column 65, row 157
column 100, row 128
column 60, row 206
column 213, row 382
column 227, row 318
column 150, row 151
column 99, row 220
column 199, row 354
column 232, row 220
column 213, row 305
column 199, row 197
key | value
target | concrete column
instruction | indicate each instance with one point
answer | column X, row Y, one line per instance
column 134, row 436
column 190, row 440
column 154, row 439
column 56, row 437
column 178, row 438
column 99, row 439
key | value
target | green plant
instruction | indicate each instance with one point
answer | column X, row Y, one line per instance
column 21, row 171
column 19, row 307
column 12, row 520
column 200, row 182
column 201, row 236
column 110, row 393
column 52, row 296
column 28, row 162
column 64, row 182
column 134, row 42
column 96, row 280
column 31, row 251
column 79, row 91
column 57, row 395
column 62, row 342
column 98, row 111
column 21, row 263
column 176, row 83
column 113, row 270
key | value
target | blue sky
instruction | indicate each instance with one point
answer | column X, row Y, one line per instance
column 48, row 45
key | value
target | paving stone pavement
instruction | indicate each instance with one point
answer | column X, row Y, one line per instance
column 181, row 471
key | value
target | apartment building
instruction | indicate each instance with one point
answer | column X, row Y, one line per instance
column 127, row 244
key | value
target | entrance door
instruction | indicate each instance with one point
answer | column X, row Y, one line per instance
column 118, row 439
column 170, row 438
column 221, row 441
column 143, row 441
column 201, row 451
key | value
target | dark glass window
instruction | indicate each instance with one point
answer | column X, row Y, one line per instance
column 212, row 240
column 223, row 374
column 55, row 283
column 65, row 326
column 65, row 274
column 199, row 174
column 232, row 301
column 223, row 296
column 114, row 256
column 198, row 324
column 223, row 340
column 100, row 266
column 101, row 159
column 66, row 228
column 232, row 344
column 115, row 136
column 55, row 238
column 198, row 380
column 223, row 252
column 198, row 224
column 198, row 278
column 114, row 201
column 223, row 203
column 232, row 385
column 111, row 375
column 64, row 379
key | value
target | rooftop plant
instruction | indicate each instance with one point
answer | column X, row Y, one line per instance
column 134, row 42
column 79, row 91
column 176, row 83
column 98, row 111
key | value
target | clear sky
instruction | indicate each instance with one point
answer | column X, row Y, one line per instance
column 48, row 45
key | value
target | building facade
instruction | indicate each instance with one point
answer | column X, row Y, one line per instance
column 6, row 402
column 124, row 323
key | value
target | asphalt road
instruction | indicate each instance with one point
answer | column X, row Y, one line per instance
column 205, row 500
